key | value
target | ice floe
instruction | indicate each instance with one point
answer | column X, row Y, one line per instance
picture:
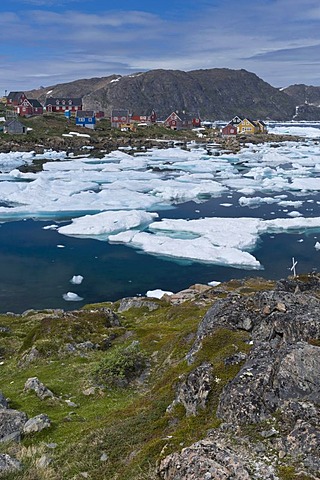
column 158, row 293
column 76, row 279
column 72, row 297
column 220, row 241
column 106, row 223
column 115, row 198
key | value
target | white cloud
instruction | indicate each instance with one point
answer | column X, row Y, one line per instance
column 257, row 36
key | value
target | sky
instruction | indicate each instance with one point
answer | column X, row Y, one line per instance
column 47, row 42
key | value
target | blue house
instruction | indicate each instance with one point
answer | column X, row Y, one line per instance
column 86, row 118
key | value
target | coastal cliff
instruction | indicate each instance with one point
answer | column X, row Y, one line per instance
column 210, row 383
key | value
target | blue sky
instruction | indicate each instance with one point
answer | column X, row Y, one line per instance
column 45, row 42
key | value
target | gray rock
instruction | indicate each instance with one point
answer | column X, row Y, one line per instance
column 270, row 377
column 29, row 357
column 11, row 424
column 216, row 459
column 4, row 329
column 193, row 392
column 44, row 461
column 8, row 464
column 36, row 424
column 136, row 302
column 39, row 388
column 281, row 376
column 3, row 401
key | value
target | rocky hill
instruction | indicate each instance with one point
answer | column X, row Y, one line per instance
column 210, row 383
column 307, row 100
column 218, row 93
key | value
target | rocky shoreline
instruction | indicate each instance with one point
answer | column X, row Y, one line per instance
column 100, row 145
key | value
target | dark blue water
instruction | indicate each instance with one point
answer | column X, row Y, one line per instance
column 35, row 273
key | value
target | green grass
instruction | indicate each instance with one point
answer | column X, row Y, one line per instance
column 129, row 423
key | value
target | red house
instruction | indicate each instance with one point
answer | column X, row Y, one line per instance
column 147, row 119
column 119, row 117
column 62, row 104
column 29, row 106
column 179, row 121
column 229, row 130
column 15, row 98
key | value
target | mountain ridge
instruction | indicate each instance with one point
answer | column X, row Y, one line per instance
column 216, row 94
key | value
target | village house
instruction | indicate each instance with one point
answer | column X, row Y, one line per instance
column 53, row 104
column 86, row 118
column 148, row 119
column 15, row 98
column 229, row 129
column 14, row 127
column 244, row 126
column 180, row 121
column 250, row 127
column 28, row 107
column 119, row 118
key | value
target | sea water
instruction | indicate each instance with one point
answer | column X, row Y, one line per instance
column 37, row 265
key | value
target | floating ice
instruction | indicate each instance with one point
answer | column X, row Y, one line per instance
column 256, row 201
column 106, row 223
column 113, row 195
column 317, row 246
column 288, row 129
column 294, row 214
column 76, row 279
column 60, row 246
column 50, row 227
column 221, row 241
column 71, row 297
column 158, row 293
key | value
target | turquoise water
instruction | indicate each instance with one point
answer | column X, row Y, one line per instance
column 35, row 272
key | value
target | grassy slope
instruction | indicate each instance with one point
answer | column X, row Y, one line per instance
column 130, row 424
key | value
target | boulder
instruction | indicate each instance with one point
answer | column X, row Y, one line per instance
column 8, row 464
column 39, row 388
column 36, row 424
column 11, row 424
column 136, row 302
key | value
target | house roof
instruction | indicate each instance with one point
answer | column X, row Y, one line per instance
column 13, row 121
column 85, row 113
column 14, row 95
column 120, row 113
column 143, row 114
column 249, row 120
column 183, row 116
column 53, row 101
column 34, row 102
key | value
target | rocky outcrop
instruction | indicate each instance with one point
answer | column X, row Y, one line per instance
column 220, row 458
column 278, row 386
column 136, row 302
column 193, row 391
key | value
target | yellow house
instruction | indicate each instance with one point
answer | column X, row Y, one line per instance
column 247, row 127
